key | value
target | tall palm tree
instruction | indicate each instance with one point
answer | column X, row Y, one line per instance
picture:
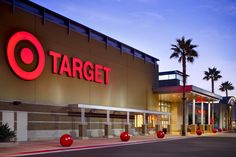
column 225, row 86
column 212, row 74
column 184, row 51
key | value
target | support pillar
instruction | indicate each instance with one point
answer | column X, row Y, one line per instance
column 168, row 126
column 83, row 126
column 108, row 126
column 221, row 117
column 158, row 126
column 168, row 129
column 212, row 112
column 108, row 130
column 128, row 125
column 194, row 112
column 144, row 126
column 83, row 131
column 209, row 127
column 202, row 127
column 193, row 126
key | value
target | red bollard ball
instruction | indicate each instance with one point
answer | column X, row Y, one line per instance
column 199, row 132
column 160, row 134
column 214, row 130
column 220, row 130
column 66, row 140
column 224, row 129
column 124, row 136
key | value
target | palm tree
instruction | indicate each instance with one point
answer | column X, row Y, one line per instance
column 225, row 86
column 213, row 75
column 184, row 51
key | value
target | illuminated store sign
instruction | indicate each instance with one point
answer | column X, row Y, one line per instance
column 72, row 67
column 86, row 70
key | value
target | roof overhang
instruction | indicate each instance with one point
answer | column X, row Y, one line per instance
column 188, row 89
column 109, row 108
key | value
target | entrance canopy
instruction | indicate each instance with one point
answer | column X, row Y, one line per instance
column 174, row 93
column 109, row 108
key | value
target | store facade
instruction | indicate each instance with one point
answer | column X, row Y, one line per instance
column 58, row 76
column 52, row 64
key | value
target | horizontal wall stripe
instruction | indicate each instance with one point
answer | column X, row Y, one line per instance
column 62, row 122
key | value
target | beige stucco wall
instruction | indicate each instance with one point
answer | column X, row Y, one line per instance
column 176, row 117
column 131, row 79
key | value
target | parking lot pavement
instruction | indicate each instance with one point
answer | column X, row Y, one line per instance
column 205, row 146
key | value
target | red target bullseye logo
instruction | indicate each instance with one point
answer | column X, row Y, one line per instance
column 26, row 55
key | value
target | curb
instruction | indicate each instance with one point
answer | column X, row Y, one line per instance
column 99, row 146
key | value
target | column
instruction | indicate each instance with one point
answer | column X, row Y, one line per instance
column 8, row 117
column 144, row 118
column 22, row 126
column 212, row 113
column 144, row 126
column 158, row 126
column 193, row 126
column 202, row 113
column 202, row 127
column 168, row 126
column 107, row 127
column 209, row 113
column 209, row 128
column 82, row 115
column 127, row 117
column 221, row 116
column 128, row 125
column 193, row 113
column 83, row 125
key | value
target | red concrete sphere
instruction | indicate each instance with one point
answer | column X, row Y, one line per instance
column 199, row 132
column 220, row 130
column 66, row 140
column 214, row 130
column 160, row 134
column 124, row 136
column 224, row 129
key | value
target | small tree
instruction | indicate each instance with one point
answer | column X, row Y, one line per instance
column 6, row 134
column 212, row 74
column 225, row 86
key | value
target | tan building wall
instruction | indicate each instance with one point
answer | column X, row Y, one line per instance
column 176, row 117
column 131, row 79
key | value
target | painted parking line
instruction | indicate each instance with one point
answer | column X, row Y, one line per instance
column 80, row 148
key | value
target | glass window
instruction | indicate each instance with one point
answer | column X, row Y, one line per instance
column 172, row 76
column 138, row 120
column 163, row 77
column 152, row 120
column 179, row 77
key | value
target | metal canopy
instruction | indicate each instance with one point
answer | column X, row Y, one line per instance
column 109, row 108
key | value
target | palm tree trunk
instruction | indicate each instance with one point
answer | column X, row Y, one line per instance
column 184, row 98
column 212, row 85
column 226, row 91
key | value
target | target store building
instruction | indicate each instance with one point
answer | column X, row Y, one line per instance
column 58, row 76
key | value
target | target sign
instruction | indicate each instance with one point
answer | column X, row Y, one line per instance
column 26, row 55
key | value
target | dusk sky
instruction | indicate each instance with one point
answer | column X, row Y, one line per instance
column 153, row 25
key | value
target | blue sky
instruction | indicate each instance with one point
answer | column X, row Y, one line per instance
column 153, row 25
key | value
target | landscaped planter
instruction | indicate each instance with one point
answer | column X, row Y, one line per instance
column 6, row 134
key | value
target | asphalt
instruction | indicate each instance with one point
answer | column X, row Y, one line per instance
column 190, row 147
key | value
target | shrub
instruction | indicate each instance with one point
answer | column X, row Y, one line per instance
column 6, row 134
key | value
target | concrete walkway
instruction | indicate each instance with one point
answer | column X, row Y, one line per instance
column 37, row 147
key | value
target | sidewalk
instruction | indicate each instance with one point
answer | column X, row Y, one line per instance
column 34, row 147
column 37, row 147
